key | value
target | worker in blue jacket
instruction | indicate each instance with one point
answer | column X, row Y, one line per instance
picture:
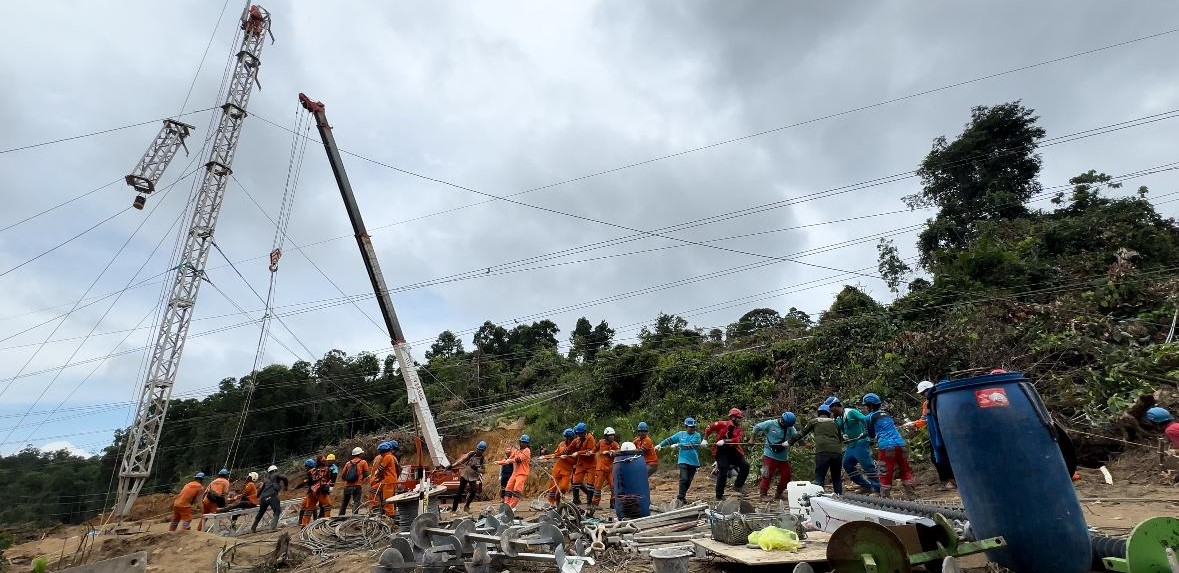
column 687, row 441
column 857, row 452
column 891, row 449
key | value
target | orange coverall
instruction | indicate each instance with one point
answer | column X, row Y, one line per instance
column 603, row 475
column 220, row 486
column 584, row 466
column 182, row 506
column 646, row 445
column 384, row 481
column 318, row 480
column 250, row 493
column 562, row 471
column 521, row 461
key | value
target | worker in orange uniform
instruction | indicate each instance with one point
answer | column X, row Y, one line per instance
column 728, row 453
column 385, row 473
column 583, row 468
column 248, row 499
column 646, row 445
column 562, row 469
column 315, row 478
column 603, row 475
column 521, row 460
column 182, row 506
column 326, row 483
column 216, row 496
column 354, row 473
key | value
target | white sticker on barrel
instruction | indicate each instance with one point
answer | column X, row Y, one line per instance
column 991, row 398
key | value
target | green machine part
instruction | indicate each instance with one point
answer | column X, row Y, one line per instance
column 867, row 547
column 1150, row 548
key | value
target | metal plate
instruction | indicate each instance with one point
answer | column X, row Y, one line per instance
column 852, row 541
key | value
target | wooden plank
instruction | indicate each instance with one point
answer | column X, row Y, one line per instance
column 814, row 550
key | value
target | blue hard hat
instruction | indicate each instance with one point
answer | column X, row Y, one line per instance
column 394, row 445
column 690, row 422
column 872, row 399
column 788, row 418
column 224, row 472
column 384, row 447
column 481, row 446
column 524, row 439
column 643, row 427
column 825, row 408
column 199, row 476
column 579, row 428
column 568, row 433
column 832, row 400
column 1158, row 415
column 309, row 463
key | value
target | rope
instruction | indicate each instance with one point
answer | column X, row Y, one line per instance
column 286, row 207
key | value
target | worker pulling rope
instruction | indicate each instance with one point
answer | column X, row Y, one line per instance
column 290, row 187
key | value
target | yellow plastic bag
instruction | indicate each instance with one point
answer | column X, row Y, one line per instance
column 776, row 539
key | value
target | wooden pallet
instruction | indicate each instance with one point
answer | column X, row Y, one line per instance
column 814, row 550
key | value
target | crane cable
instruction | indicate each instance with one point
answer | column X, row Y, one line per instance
column 290, row 187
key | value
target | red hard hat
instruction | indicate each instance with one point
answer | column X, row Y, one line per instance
column 736, row 412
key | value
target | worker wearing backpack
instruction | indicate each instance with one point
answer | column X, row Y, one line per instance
column 354, row 473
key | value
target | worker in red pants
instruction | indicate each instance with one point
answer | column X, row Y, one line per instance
column 776, row 453
column 891, row 449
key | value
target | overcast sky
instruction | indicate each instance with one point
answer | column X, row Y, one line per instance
column 502, row 98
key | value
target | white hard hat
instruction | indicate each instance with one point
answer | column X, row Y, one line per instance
column 924, row 385
column 357, row 451
column 253, row 476
column 609, row 431
column 272, row 469
column 628, row 447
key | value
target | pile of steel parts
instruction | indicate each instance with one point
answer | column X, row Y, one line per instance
column 675, row 528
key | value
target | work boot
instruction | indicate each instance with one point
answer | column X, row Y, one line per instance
column 865, row 490
column 740, row 491
column 910, row 491
column 885, row 492
column 274, row 523
column 763, row 497
column 779, row 497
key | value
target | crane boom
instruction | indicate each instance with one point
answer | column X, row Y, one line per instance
column 413, row 385
column 143, row 439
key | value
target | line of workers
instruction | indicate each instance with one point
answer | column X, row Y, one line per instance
column 321, row 476
column 842, row 440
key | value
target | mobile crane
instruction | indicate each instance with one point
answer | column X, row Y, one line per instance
column 428, row 436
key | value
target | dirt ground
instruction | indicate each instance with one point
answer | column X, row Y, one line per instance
column 1139, row 491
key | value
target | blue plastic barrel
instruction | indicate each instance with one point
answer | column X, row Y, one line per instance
column 1011, row 474
column 632, row 490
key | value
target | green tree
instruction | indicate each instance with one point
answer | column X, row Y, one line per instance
column 602, row 338
column 579, row 339
column 669, row 331
column 892, row 267
column 987, row 173
column 753, row 321
column 445, row 346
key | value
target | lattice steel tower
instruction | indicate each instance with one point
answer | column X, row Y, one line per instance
column 144, row 437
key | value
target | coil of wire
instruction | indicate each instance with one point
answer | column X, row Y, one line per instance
column 337, row 534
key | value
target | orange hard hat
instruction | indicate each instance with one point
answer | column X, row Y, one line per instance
column 736, row 412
